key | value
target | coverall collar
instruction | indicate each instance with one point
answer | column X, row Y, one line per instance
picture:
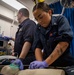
column 23, row 22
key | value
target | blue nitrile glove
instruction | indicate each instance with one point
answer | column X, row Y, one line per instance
column 19, row 63
column 38, row 64
column 7, row 38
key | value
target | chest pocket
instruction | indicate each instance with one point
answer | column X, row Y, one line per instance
column 19, row 35
column 50, row 41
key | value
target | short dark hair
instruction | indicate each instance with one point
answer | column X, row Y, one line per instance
column 45, row 7
column 24, row 11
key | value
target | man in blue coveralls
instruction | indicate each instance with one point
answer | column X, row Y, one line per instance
column 24, row 39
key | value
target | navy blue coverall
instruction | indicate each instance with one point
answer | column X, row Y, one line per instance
column 47, row 38
column 24, row 34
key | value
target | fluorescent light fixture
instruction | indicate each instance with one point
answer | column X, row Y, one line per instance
column 15, row 4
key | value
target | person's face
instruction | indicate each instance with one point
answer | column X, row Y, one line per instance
column 19, row 16
column 42, row 17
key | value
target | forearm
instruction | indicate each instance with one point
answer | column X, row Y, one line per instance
column 57, row 52
column 25, row 50
column 38, row 54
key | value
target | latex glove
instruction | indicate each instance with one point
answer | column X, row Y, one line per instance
column 7, row 38
column 19, row 63
column 38, row 64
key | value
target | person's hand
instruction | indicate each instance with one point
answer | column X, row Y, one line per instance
column 7, row 38
column 38, row 64
column 19, row 63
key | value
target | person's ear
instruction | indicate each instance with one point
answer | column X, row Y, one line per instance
column 50, row 12
column 21, row 13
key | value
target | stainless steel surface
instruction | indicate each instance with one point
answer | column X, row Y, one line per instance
column 67, row 3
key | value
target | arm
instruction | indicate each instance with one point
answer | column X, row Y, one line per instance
column 38, row 49
column 23, row 54
column 8, row 38
column 13, row 39
column 28, row 39
column 57, row 52
column 38, row 54
column 25, row 50
column 65, row 36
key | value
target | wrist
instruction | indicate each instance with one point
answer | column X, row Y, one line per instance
column 21, row 59
column 46, row 63
column 48, row 60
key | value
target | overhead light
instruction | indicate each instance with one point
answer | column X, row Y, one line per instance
column 15, row 4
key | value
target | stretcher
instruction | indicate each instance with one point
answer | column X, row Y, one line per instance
column 6, row 70
column 42, row 72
